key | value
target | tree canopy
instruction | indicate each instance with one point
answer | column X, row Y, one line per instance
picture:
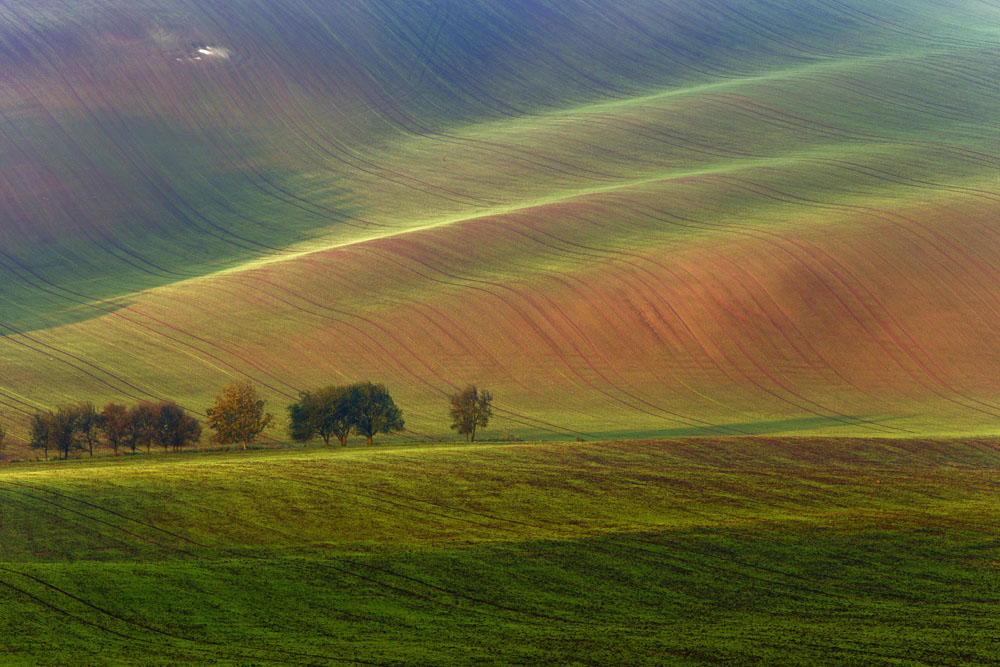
column 174, row 427
column 117, row 428
column 375, row 411
column 238, row 415
column 470, row 409
column 327, row 412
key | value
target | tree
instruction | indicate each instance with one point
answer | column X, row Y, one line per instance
column 238, row 415
column 39, row 429
column 328, row 411
column 114, row 423
column 57, row 430
column 174, row 427
column 374, row 410
column 87, row 423
column 470, row 408
column 3, row 435
column 142, row 420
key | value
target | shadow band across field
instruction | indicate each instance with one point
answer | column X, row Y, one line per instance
column 775, row 426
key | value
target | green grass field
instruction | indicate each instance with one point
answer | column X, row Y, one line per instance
column 698, row 551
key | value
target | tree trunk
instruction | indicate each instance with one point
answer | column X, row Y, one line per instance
column 343, row 441
column 244, row 445
column 370, row 440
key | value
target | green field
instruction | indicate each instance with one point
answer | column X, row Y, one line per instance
column 696, row 551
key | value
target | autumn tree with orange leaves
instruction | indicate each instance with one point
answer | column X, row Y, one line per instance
column 238, row 415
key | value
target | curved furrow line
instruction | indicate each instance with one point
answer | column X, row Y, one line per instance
column 351, row 573
column 824, row 259
column 17, row 406
column 584, row 293
column 759, row 293
column 689, row 285
column 216, row 649
column 890, row 177
column 241, row 164
column 788, row 123
column 671, row 53
column 534, row 158
column 520, row 317
column 972, row 74
column 966, row 258
column 799, row 399
column 698, row 338
column 162, row 192
column 94, row 519
column 311, row 144
column 662, row 136
column 112, row 310
column 107, row 510
column 107, row 242
column 544, row 524
column 62, row 612
column 929, row 238
column 883, row 97
column 549, row 340
column 320, row 141
column 892, row 26
column 309, row 480
column 908, row 224
column 77, row 363
column 778, row 242
column 450, row 75
column 449, row 327
column 387, row 353
column 766, row 33
column 758, row 109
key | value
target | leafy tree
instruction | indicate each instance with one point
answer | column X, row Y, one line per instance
column 142, row 420
column 87, row 423
column 115, row 424
column 470, row 408
column 328, row 411
column 238, row 415
column 57, row 429
column 174, row 427
column 374, row 410
column 40, row 431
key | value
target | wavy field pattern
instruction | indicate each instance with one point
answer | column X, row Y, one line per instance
column 674, row 217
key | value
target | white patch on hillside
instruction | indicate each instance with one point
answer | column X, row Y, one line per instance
column 205, row 53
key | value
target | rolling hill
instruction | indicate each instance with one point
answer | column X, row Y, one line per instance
column 669, row 218
column 683, row 552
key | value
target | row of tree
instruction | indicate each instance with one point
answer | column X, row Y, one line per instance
column 367, row 409
column 81, row 426
column 239, row 417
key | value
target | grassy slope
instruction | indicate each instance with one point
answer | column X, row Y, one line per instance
column 690, row 552
column 664, row 218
